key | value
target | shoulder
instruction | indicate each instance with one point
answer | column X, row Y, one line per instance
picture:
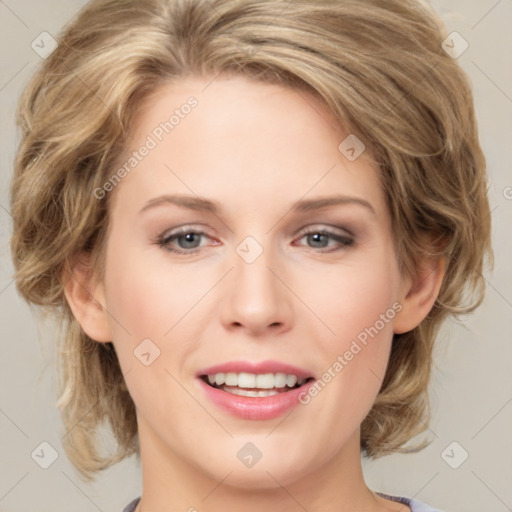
column 415, row 505
column 131, row 506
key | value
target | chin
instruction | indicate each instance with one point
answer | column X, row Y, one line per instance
column 263, row 475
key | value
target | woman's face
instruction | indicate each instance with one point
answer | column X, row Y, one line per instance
column 267, row 281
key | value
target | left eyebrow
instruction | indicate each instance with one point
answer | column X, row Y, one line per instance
column 305, row 205
column 323, row 202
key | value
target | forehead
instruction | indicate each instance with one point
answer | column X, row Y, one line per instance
column 241, row 142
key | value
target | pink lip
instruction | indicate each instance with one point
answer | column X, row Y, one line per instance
column 257, row 368
column 254, row 408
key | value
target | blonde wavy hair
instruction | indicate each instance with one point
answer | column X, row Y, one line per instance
column 380, row 69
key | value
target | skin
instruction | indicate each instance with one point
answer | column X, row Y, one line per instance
column 255, row 149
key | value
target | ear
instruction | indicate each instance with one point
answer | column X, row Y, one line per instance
column 86, row 298
column 419, row 293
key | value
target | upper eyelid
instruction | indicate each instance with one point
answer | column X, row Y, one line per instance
column 335, row 230
column 312, row 227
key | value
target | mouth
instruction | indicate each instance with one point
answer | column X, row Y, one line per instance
column 255, row 385
column 255, row 390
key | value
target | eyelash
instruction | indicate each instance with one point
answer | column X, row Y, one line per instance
column 165, row 239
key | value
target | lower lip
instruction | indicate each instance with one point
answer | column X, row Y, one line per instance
column 255, row 408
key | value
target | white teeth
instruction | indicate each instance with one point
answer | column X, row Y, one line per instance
column 246, row 380
column 265, row 381
column 280, row 380
column 254, row 394
column 231, row 379
column 251, row 380
column 291, row 380
column 267, row 393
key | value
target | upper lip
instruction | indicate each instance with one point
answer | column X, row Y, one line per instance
column 256, row 368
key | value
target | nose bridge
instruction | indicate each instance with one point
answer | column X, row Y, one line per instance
column 256, row 297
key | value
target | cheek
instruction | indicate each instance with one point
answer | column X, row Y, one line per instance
column 146, row 304
column 356, row 300
column 360, row 312
column 148, row 300
column 159, row 303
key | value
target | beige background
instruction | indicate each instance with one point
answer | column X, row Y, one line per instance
column 472, row 384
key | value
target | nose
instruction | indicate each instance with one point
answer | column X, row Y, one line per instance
column 257, row 299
